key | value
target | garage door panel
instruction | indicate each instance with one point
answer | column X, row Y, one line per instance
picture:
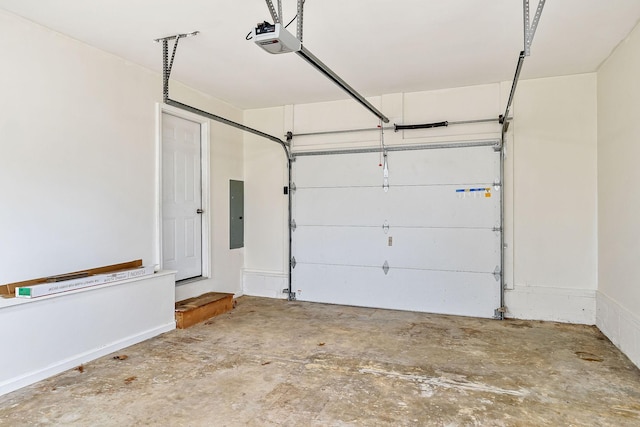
column 437, row 206
column 345, row 170
column 440, row 206
column 437, row 167
column 415, row 167
column 467, row 294
column 472, row 250
column 338, row 206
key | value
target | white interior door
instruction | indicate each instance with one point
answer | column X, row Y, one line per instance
column 430, row 243
column 181, row 197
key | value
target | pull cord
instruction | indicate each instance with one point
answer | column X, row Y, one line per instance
column 384, row 163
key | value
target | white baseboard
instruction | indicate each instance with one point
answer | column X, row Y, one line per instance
column 551, row 304
column 72, row 362
column 268, row 284
column 620, row 325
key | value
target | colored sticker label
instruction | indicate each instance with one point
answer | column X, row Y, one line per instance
column 471, row 190
column 462, row 192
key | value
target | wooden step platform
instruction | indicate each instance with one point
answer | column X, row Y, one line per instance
column 198, row 309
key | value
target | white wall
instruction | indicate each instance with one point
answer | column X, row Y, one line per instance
column 78, row 169
column 266, row 209
column 619, row 197
column 555, row 197
column 551, row 258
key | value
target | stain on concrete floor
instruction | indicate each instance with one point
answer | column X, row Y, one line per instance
column 272, row 362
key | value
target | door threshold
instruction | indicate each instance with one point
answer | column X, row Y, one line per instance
column 190, row 280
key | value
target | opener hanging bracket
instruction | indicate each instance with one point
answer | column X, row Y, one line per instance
column 530, row 27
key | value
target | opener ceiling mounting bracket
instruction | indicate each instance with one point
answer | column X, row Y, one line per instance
column 530, row 27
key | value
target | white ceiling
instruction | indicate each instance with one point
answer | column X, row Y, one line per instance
column 377, row 46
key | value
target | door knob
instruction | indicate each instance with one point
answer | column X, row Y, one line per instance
column 199, row 211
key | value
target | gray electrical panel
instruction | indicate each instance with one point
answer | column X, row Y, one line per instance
column 236, row 214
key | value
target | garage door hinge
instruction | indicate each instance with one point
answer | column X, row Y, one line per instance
column 385, row 268
column 293, row 188
column 497, row 229
column 497, row 184
column 499, row 313
column 497, row 273
column 292, row 295
column 293, row 262
column 293, row 225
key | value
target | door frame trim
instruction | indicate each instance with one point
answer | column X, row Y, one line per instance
column 205, row 178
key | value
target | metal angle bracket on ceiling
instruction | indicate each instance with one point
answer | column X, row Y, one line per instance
column 168, row 65
column 300, row 17
column 177, row 36
column 276, row 16
column 530, row 27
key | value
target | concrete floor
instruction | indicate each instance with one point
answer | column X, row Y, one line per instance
column 271, row 362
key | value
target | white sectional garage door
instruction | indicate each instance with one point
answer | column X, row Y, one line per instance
column 430, row 243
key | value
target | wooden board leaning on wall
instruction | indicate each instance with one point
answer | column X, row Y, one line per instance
column 9, row 290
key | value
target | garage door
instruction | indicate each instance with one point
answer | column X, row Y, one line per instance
column 429, row 242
